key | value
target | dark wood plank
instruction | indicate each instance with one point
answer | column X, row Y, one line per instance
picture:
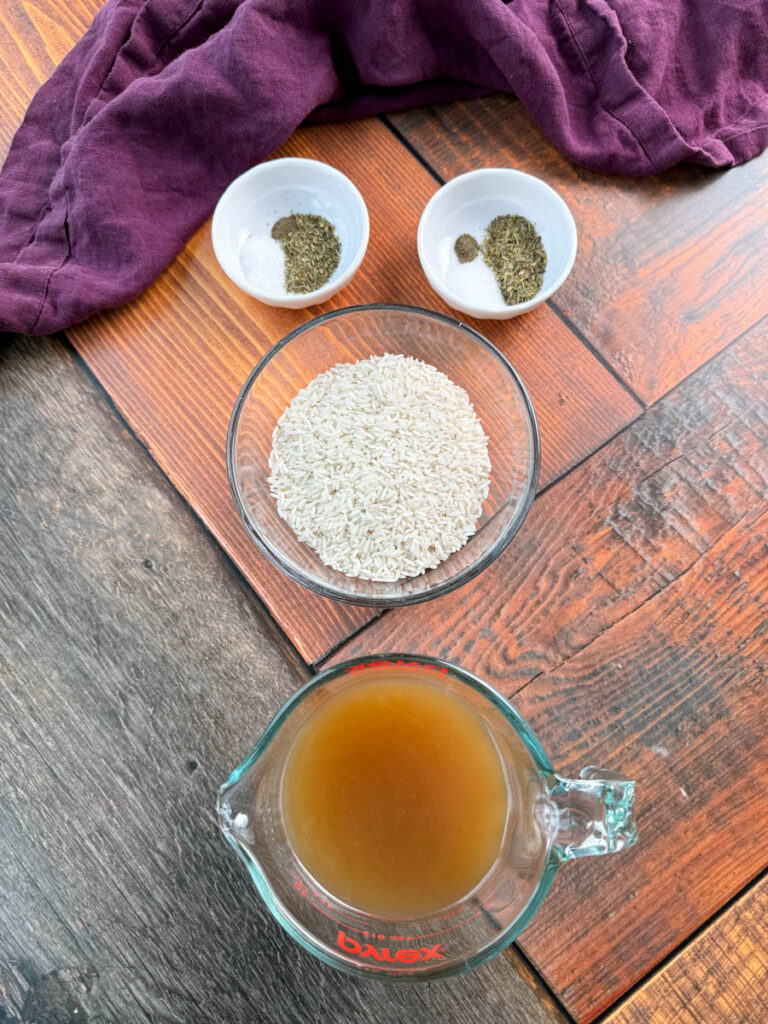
column 629, row 623
column 178, row 398
column 670, row 268
column 136, row 670
column 720, row 978
column 34, row 37
column 174, row 359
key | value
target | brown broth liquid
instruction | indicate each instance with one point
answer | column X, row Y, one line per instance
column 394, row 796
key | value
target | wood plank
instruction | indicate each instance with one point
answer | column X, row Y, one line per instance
column 670, row 268
column 615, row 532
column 629, row 623
column 174, row 360
column 137, row 669
column 720, row 978
column 34, row 37
column 674, row 696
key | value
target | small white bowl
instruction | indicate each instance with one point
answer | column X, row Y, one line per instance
column 468, row 204
column 276, row 188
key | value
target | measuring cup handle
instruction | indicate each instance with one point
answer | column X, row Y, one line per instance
column 594, row 814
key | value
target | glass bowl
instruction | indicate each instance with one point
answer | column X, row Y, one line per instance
column 346, row 335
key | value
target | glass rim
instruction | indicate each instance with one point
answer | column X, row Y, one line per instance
column 293, row 925
column 466, row 574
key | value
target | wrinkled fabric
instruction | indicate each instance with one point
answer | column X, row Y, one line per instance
column 125, row 150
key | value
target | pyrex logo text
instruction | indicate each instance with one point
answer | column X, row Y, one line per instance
column 400, row 956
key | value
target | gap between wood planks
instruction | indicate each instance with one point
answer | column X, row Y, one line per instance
column 532, row 976
column 717, row 912
column 313, row 666
column 679, row 950
column 536, row 980
column 129, row 429
column 536, row 977
column 317, row 665
column 143, row 442
column 519, row 960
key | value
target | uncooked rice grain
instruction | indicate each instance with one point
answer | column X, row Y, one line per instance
column 381, row 466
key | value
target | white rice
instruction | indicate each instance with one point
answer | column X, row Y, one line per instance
column 381, row 466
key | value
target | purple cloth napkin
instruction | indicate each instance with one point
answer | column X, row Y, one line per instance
column 124, row 152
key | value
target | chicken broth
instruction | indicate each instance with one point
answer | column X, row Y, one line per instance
column 394, row 796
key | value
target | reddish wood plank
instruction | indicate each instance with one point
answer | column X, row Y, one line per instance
column 613, row 533
column 174, row 362
column 674, row 695
column 670, row 268
column 565, row 446
column 721, row 977
column 630, row 623
column 174, row 359
column 34, row 36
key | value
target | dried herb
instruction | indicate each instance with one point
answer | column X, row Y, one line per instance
column 311, row 248
column 466, row 248
column 284, row 227
column 514, row 252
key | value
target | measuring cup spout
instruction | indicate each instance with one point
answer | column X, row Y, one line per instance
column 235, row 821
column 595, row 814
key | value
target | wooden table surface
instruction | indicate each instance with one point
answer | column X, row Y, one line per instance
column 144, row 644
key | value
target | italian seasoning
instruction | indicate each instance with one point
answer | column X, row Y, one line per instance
column 311, row 248
column 513, row 250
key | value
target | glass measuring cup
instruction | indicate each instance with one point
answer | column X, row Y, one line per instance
column 555, row 820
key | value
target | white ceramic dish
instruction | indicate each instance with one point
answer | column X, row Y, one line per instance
column 467, row 204
column 276, row 188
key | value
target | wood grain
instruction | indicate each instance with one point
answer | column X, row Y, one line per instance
column 720, row 978
column 34, row 37
column 640, row 642
column 612, row 534
column 136, row 670
column 629, row 623
column 174, row 360
column 674, row 696
column 670, row 268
